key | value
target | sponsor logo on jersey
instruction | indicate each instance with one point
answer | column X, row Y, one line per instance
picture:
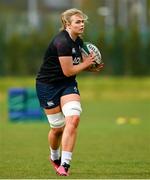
column 73, row 51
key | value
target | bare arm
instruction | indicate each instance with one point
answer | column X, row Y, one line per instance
column 69, row 69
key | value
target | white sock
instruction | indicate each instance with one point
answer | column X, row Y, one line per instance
column 66, row 157
column 54, row 154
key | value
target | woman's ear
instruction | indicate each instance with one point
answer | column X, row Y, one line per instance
column 68, row 25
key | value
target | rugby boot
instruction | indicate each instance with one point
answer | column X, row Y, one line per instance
column 63, row 170
column 55, row 163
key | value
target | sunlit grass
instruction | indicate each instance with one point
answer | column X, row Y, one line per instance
column 104, row 148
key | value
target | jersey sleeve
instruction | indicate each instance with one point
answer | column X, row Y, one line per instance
column 63, row 47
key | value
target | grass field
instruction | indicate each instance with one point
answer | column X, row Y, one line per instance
column 104, row 148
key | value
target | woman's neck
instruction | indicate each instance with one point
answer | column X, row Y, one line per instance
column 72, row 36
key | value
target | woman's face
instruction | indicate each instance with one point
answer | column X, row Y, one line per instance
column 77, row 24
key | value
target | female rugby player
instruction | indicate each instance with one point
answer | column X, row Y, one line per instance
column 57, row 88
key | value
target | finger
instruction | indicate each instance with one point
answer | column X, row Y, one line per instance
column 101, row 65
column 92, row 54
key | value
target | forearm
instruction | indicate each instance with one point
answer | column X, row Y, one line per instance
column 77, row 69
column 70, row 70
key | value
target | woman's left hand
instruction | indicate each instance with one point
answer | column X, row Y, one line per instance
column 99, row 68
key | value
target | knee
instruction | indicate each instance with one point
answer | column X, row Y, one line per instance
column 56, row 131
column 75, row 121
column 72, row 111
column 72, row 123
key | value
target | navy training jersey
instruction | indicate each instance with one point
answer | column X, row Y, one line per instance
column 62, row 45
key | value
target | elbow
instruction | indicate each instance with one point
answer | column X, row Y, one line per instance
column 68, row 74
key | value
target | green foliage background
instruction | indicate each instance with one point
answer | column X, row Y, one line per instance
column 123, row 52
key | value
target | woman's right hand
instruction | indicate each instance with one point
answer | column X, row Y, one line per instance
column 89, row 60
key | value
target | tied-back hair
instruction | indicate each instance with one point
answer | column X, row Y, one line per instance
column 66, row 16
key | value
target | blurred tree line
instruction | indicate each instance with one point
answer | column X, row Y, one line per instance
column 125, row 51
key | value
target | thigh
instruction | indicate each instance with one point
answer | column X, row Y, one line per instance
column 70, row 93
column 55, row 118
column 69, row 97
column 53, row 110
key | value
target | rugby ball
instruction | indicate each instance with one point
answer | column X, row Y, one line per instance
column 87, row 48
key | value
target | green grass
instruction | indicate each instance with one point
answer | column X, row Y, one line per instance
column 104, row 149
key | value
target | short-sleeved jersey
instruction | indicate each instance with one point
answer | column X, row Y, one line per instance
column 61, row 45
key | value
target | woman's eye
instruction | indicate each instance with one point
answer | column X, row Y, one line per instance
column 78, row 22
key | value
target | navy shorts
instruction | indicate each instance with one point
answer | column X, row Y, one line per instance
column 49, row 95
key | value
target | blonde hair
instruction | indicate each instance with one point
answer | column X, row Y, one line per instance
column 66, row 16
